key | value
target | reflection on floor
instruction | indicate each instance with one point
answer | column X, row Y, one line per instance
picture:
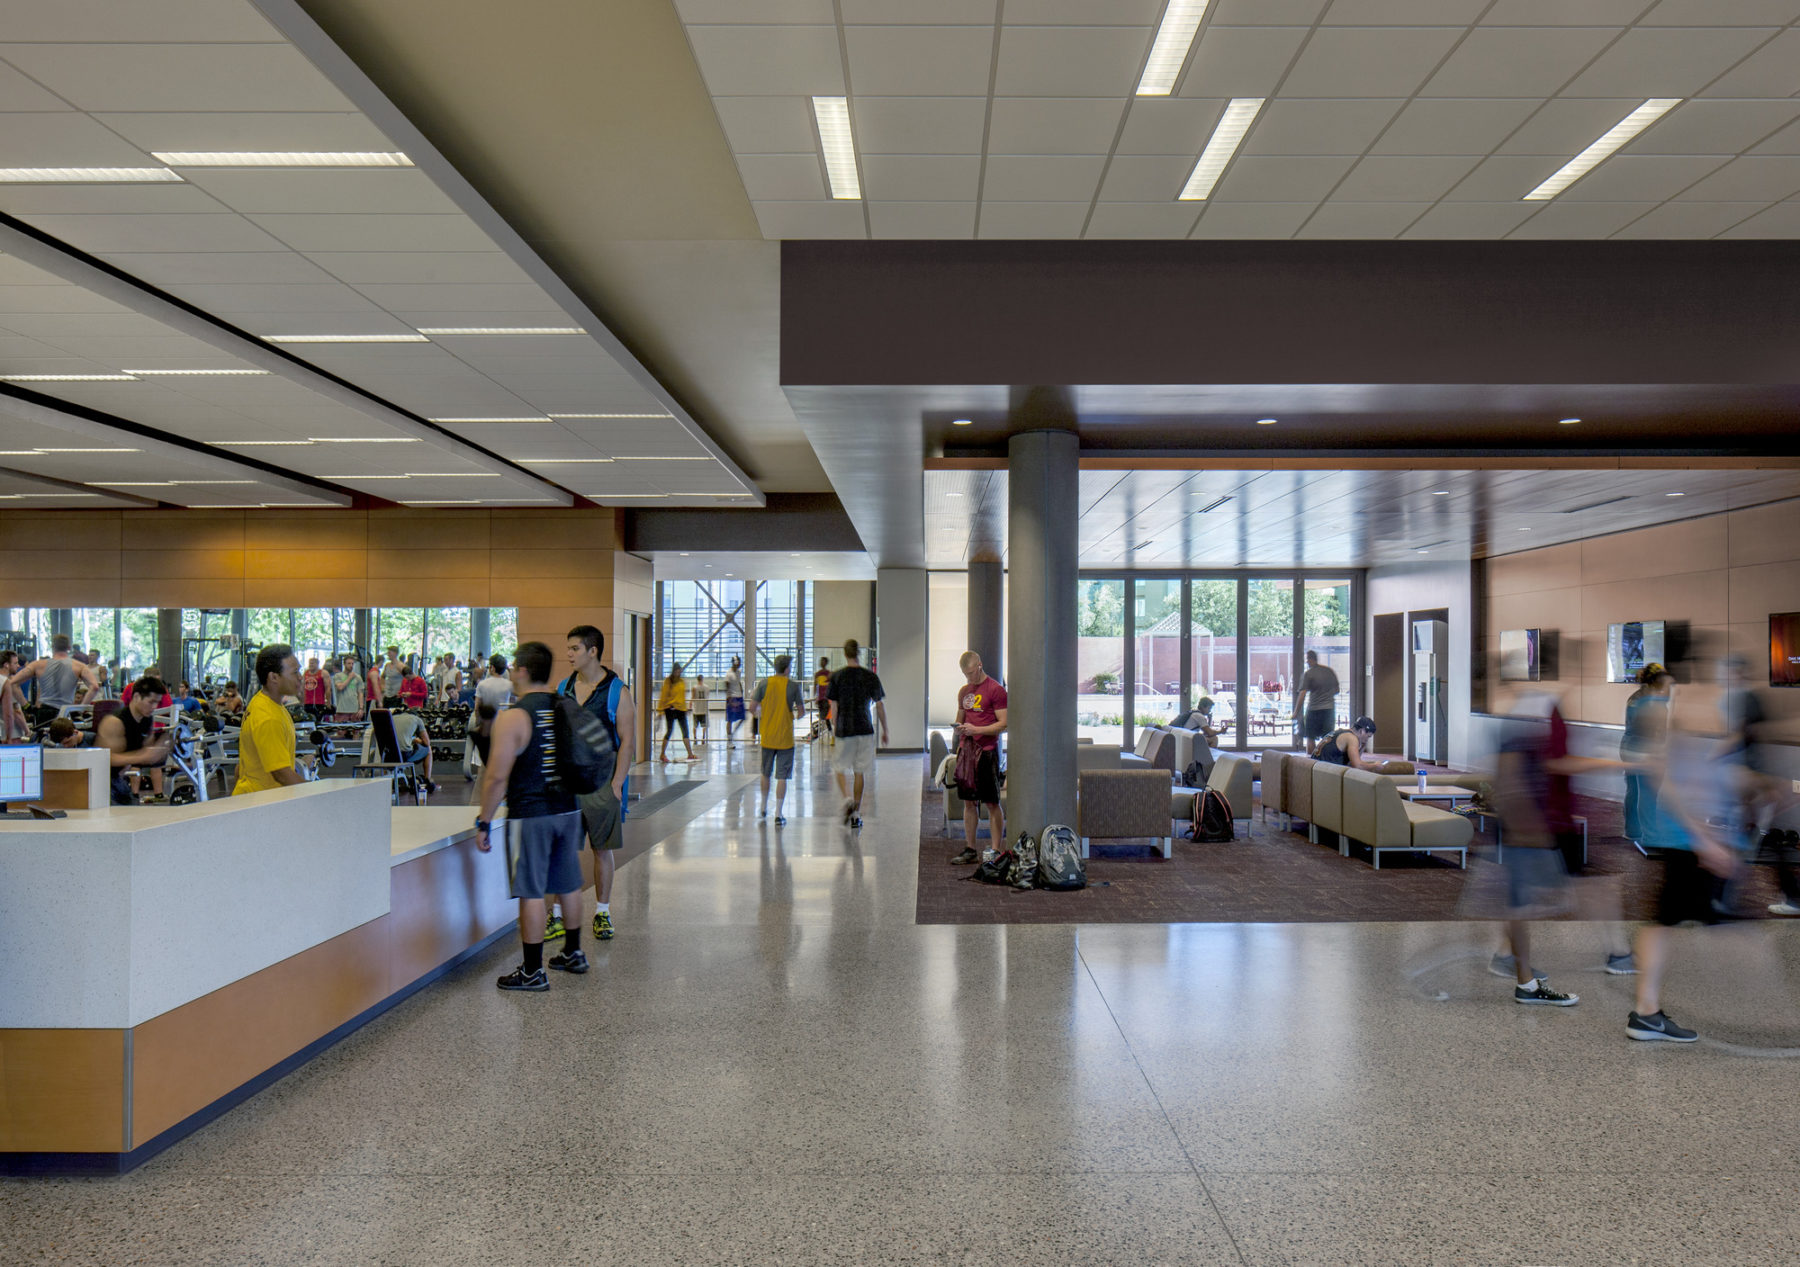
column 775, row 1064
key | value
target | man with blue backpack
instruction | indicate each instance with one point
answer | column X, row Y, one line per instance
column 602, row 693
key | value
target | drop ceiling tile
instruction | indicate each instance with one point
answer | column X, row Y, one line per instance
column 173, row 268
column 1715, row 127
column 1317, row 127
column 1412, row 178
column 782, row 177
column 374, row 232
column 178, row 76
column 143, row 21
column 18, row 93
column 770, row 61
column 780, row 220
column 1448, row 125
column 1148, row 178
column 1505, row 178
column 918, row 125
column 1256, row 178
column 1083, row 12
column 360, row 267
column 1644, row 178
column 326, row 297
column 64, row 139
column 1241, row 61
column 1041, row 178
column 927, row 12
column 936, row 61
column 1517, row 61
column 1403, row 12
column 1768, row 72
column 1786, row 141
column 1070, row 61
column 1712, row 13
column 374, row 191
column 1032, row 219
column 1169, row 125
column 1367, row 61
column 1563, row 12
column 1568, row 126
column 1142, row 220
column 1477, row 221
column 99, row 235
column 1691, row 219
column 246, row 130
column 1265, row 12
column 1362, row 219
column 922, row 219
column 767, row 125
column 1756, row 178
column 1562, row 219
column 782, row 11
column 1054, row 125
column 1665, row 63
column 78, row 200
column 921, row 177
column 1779, row 221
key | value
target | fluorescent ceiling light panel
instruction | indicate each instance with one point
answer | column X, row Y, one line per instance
column 452, row 475
column 1604, row 148
column 1170, row 52
column 197, row 482
column 561, row 461
column 196, row 373
column 362, row 440
column 67, row 378
column 442, row 501
column 501, row 330
column 537, row 418
column 85, row 175
column 839, row 146
column 344, row 338
column 130, row 483
column 617, row 496
column 280, row 158
column 90, row 450
column 1226, row 138
column 664, row 457
column 664, row 415
column 258, row 444
column 363, row 477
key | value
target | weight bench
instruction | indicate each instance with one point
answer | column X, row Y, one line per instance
column 383, row 743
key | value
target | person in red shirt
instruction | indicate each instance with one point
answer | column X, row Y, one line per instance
column 980, row 717
column 414, row 690
column 315, row 689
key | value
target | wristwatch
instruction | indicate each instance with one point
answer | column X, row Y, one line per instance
column 482, row 824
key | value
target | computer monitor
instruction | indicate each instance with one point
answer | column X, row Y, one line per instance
column 21, row 773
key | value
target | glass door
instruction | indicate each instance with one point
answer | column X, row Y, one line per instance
column 1325, row 630
column 1213, row 654
column 1156, row 647
column 1100, row 660
column 1270, row 675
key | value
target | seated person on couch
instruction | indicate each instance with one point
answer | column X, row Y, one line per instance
column 1345, row 747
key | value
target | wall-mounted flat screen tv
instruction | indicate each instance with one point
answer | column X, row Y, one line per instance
column 1630, row 646
column 1519, row 661
column 1784, row 649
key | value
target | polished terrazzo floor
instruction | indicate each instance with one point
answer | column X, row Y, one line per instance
column 774, row 1063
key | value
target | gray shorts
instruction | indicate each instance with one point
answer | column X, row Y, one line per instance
column 778, row 763
column 853, row 754
column 1535, row 879
column 600, row 816
column 543, row 855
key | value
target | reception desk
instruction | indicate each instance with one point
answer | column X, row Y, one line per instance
column 216, row 947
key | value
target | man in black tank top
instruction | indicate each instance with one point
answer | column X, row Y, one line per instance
column 127, row 733
column 543, row 826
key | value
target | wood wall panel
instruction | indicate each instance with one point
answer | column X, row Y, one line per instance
column 555, row 529
column 550, row 559
column 194, row 563
column 550, row 591
column 252, row 1025
column 1555, row 567
column 442, row 904
column 308, row 529
column 309, row 565
column 1693, row 545
column 66, row 789
column 385, row 563
column 1758, row 590
column 62, row 1090
column 418, row 530
column 162, row 592
column 68, row 530
column 180, row 530
column 1763, row 534
column 53, row 589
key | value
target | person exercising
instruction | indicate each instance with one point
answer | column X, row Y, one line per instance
column 59, row 678
column 127, row 733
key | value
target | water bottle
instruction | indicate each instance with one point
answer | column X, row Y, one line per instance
column 1421, row 780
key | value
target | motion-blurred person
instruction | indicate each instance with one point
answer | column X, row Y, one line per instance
column 734, row 700
column 700, row 700
column 62, row 734
column 671, row 702
column 821, row 706
column 1745, row 753
column 1646, row 730
column 1697, row 856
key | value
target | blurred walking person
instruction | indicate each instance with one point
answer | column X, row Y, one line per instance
column 1646, row 730
column 671, row 702
column 734, row 700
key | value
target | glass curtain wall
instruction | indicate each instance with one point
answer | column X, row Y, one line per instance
column 701, row 627
column 1156, row 644
column 1100, row 660
column 1325, row 620
column 1213, row 649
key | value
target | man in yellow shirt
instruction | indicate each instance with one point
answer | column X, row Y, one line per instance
column 778, row 703
column 266, row 744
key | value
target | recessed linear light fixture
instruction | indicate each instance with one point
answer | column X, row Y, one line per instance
column 1226, row 138
column 458, row 330
column 1267, row 422
column 363, row 440
column 1674, row 494
column 1440, row 492
column 562, row 416
column 90, row 450
column 86, row 175
column 839, row 146
column 280, row 158
column 344, row 338
column 452, row 475
column 258, row 444
column 1181, row 20
column 1604, row 148
column 661, row 457
column 1567, row 422
column 561, row 461
column 67, row 378
column 535, row 418
column 952, row 494
column 617, row 496
column 364, row 477
column 215, row 482
column 130, row 483
column 962, row 422
column 442, row 501
column 195, row 373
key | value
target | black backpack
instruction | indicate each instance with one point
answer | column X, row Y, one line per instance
column 1193, row 776
column 585, row 754
column 1212, row 818
column 998, row 869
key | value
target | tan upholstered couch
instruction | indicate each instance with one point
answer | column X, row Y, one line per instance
column 1120, row 804
column 1367, row 809
column 1233, row 777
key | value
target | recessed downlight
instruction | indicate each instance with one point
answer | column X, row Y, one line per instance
column 1266, row 422
column 1567, row 422
column 1674, row 494
column 962, row 422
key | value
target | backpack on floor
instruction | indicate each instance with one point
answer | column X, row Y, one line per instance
column 1212, row 818
column 1023, row 873
column 996, row 870
column 1059, row 860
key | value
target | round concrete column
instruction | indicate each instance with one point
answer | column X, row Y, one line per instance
column 986, row 590
column 1042, row 509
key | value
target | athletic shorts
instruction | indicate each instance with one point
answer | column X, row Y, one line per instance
column 605, row 826
column 1534, row 878
column 778, row 763
column 853, row 754
column 986, row 788
column 1316, row 724
column 1688, row 890
column 543, row 855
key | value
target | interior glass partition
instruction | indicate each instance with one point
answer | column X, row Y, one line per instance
column 1100, row 660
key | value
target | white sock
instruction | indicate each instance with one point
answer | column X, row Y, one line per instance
column 605, row 909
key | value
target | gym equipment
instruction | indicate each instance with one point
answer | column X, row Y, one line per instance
column 323, row 753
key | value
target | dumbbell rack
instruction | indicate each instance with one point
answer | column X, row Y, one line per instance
column 448, row 729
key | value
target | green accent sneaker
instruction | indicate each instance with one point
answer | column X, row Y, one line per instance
column 603, row 928
column 553, row 928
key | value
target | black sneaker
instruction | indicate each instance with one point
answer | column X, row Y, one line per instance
column 519, row 979
column 1538, row 990
column 967, row 858
column 576, row 962
column 780, row 821
column 1657, row 1028
column 855, row 824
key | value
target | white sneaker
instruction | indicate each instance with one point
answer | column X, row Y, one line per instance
column 1783, row 908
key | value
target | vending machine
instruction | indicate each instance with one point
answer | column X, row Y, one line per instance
column 1431, row 668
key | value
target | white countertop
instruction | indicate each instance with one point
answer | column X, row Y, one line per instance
column 421, row 829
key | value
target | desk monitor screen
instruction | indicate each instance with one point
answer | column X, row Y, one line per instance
column 21, row 773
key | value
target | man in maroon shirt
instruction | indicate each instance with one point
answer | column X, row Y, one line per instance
column 980, row 717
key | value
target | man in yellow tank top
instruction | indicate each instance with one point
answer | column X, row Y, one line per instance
column 778, row 703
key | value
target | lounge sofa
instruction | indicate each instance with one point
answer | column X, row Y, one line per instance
column 1367, row 809
column 1121, row 804
column 1233, row 777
